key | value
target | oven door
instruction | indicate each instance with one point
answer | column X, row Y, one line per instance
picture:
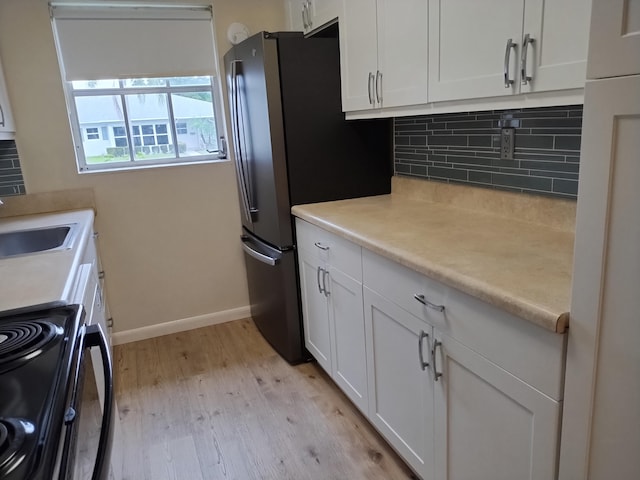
column 90, row 422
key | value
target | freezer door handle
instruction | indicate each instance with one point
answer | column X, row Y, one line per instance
column 261, row 257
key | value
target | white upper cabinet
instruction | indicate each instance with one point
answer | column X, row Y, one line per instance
column 402, row 52
column 476, row 49
column 383, row 47
column 308, row 15
column 7, row 127
column 557, row 36
column 615, row 39
column 358, row 54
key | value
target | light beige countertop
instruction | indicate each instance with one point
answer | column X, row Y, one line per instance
column 469, row 238
column 42, row 279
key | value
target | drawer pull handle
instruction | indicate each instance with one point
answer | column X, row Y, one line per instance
column 423, row 335
column 427, row 303
column 324, row 283
column 321, row 246
column 436, row 373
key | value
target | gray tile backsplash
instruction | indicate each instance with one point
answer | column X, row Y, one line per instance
column 465, row 148
column 11, row 181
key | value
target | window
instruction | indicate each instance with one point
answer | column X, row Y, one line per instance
column 181, row 128
column 121, row 90
column 92, row 133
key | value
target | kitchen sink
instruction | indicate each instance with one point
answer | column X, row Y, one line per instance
column 24, row 242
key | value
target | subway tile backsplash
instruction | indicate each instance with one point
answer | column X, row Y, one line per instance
column 465, row 148
column 11, row 181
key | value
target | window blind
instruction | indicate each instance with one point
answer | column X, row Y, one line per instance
column 116, row 41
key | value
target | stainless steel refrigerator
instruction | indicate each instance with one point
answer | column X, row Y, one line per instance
column 292, row 146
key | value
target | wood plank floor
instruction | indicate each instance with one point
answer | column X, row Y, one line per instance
column 219, row 403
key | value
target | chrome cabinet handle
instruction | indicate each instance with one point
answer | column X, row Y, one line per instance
column 525, row 78
column 324, row 282
column 318, row 279
column 304, row 17
column 309, row 21
column 427, row 303
column 379, row 86
column 370, row 86
column 421, row 337
column 436, row 373
column 2, row 115
column 321, row 246
column 507, row 57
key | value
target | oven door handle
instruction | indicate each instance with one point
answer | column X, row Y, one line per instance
column 95, row 337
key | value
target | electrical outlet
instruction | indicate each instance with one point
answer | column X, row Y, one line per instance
column 507, row 143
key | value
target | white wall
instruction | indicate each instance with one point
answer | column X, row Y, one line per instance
column 168, row 236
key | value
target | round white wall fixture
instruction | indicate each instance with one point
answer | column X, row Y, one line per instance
column 237, row 32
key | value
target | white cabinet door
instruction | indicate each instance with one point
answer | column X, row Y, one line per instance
column 324, row 11
column 467, row 47
column 614, row 43
column 358, row 54
column 601, row 429
column 557, row 36
column 315, row 314
column 296, row 15
column 347, row 321
column 402, row 52
column 7, row 128
column 488, row 423
column 400, row 391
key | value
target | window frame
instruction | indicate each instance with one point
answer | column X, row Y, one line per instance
column 122, row 91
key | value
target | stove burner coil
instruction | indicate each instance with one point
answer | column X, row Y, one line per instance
column 13, row 433
column 24, row 340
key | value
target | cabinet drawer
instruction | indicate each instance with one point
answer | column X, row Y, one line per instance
column 330, row 248
column 401, row 285
column 525, row 350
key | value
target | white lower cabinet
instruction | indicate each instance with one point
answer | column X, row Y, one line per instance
column 488, row 423
column 460, row 389
column 401, row 387
column 332, row 313
column 315, row 312
column 349, row 359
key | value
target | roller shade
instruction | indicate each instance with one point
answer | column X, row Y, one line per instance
column 102, row 42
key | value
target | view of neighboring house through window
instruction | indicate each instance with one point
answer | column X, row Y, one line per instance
column 149, row 119
column 128, row 105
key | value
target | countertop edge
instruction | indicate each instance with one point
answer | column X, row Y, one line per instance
column 554, row 322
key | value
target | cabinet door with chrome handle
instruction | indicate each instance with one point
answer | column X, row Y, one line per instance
column 476, row 400
column 400, row 383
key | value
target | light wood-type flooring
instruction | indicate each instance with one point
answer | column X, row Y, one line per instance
column 219, row 403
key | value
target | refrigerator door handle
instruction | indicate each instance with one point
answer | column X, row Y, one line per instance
column 261, row 257
column 240, row 164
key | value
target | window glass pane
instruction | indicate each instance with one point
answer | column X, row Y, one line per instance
column 161, row 128
column 145, row 112
column 144, row 82
column 105, row 110
column 163, row 140
column 194, row 111
column 180, row 81
column 94, row 84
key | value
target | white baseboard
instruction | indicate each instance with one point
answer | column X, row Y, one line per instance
column 176, row 326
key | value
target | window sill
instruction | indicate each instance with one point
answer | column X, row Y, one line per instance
column 137, row 166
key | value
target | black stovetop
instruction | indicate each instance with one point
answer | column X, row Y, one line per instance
column 36, row 354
